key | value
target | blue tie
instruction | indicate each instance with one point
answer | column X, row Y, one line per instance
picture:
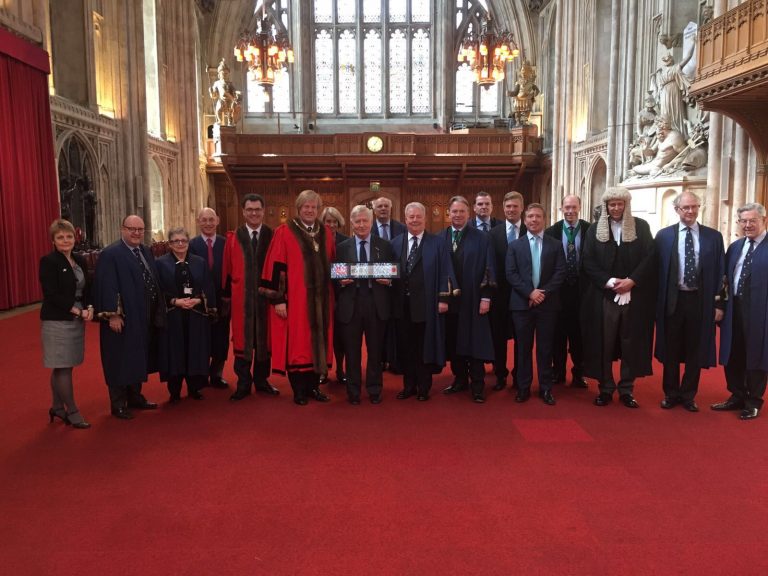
column 536, row 260
column 511, row 234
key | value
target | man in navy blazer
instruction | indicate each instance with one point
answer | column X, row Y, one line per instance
column 363, row 307
column 570, row 232
column 127, row 301
column 483, row 207
column 743, row 345
column 691, row 267
column 210, row 247
column 534, row 301
column 385, row 226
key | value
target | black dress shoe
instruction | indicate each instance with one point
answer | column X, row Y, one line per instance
column 455, row 387
column 122, row 413
column 354, row 401
column 195, row 395
column 219, row 383
column 558, row 380
column 267, row 388
column 174, row 399
column 501, row 383
column 603, row 399
column 629, row 401
column 343, row 380
column 422, row 397
column 547, row 397
column 522, row 395
column 319, row 396
column 239, row 394
column 730, row 404
column 300, row 401
column 668, row 403
column 376, row 399
column 145, row 405
column 579, row 383
column 691, row 406
column 478, row 398
column 402, row 395
column 749, row 413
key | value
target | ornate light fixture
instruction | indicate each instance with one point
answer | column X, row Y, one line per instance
column 487, row 54
column 266, row 51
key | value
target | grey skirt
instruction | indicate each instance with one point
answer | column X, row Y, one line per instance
column 63, row 343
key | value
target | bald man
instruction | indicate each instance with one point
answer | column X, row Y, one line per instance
column 210, row 247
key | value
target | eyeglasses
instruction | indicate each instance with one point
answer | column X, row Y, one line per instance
column 178, row 241
column 750, row 221
column 688, row 208
column 134, row 230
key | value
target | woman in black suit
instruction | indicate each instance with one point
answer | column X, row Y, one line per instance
column 64, row 280
column 332, row 218
column 185, row 345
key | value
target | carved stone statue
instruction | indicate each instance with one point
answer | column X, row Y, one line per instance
column 645, row 145
column 227, row 100
column 524, row 93
column 670, row 88
column 670, row 144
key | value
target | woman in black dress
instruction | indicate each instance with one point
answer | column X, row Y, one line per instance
column 187, row 286
column 64, row 280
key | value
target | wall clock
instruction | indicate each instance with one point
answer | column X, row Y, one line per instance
column 375, row 143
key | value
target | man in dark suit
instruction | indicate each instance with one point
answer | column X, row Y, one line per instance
column 385, row 226
column 570, row 232
column 210, row 247
column 483, row 207
column 468, row 342
column 743, row 346
column 244, row 254
column 363, row 306
column 535, row 271
column 128, row 302
column 501, row 322
column 421, row 300
column 691, row 267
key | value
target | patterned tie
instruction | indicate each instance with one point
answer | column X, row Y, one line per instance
column 571, row 258
column 254, row 240
column 511, row 234
column 536, row 260
column 412, row 255
column 385, row 231
column 149, row 282
column 209, row 241
column 690, row 273
column 746, row 270
column 456, row 236
column 485, row 227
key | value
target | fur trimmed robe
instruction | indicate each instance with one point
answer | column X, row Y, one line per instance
column 241, row 273
column 297, row 272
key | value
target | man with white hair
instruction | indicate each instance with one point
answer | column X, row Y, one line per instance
column 619, row 304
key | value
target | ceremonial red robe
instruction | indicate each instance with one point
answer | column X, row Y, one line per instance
column 297, row 274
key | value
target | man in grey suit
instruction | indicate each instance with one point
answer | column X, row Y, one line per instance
column 535, row 271
column 364, row 306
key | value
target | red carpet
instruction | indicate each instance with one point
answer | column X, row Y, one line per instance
column 264, row 487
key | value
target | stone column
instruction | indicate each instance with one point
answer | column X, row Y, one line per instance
column 614, row 140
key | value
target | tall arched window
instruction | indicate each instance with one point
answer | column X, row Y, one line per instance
column 469, row 16
column 373, row 58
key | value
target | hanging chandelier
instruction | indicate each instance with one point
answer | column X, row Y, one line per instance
column 487, row 54
column 266, row 51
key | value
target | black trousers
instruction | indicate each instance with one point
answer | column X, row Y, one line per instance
column 568, row 335
column 681, row 343
column 746, row 386
column 417, row 375
column 616, row 331
column 303, row 383
column 501, row 322
column 194, row 383
column 122, row 396
column 529, row 324
column 365, row 321
column 466, row 370
column 251, row 372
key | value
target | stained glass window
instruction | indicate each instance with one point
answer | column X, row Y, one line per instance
column 390, row 35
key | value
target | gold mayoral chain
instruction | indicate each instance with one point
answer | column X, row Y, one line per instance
column 311, row 232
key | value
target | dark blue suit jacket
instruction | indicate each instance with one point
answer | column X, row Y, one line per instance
column 756, row 311
column 395, row 228
column 198, row 247
column 711, row 271
column 519, row 271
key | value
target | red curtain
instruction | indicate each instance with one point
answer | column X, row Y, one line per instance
column 28, row 191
